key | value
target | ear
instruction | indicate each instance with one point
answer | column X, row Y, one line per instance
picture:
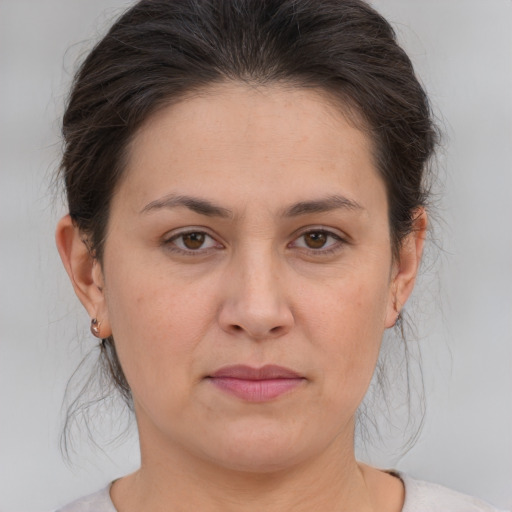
column 84, row 271
column 406, row 267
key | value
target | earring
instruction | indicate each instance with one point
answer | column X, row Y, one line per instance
column 95, row 327
column 397, row 306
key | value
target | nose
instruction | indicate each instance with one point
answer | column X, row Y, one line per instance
column 254, row 303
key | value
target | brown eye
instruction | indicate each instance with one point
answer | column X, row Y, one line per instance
column 315, row 239
column 319, row 241
column 193, row 241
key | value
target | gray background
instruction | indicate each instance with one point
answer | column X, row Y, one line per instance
column 462, row 49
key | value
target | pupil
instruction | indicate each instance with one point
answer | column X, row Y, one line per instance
column 193, row 240
column 315, row 240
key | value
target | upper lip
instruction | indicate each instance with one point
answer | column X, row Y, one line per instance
column 267, row 372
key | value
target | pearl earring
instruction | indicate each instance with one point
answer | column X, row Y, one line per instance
column 95, row 327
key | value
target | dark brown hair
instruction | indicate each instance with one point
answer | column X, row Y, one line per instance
column 161, row 50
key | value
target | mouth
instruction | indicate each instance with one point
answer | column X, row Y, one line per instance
column 256, row 384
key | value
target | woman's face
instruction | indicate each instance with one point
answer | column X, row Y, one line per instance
column 248, row 276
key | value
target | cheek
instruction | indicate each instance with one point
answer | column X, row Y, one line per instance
column 157, row 326
column 351, row 309
column 347, row 322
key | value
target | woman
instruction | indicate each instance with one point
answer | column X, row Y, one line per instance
column 247, row 214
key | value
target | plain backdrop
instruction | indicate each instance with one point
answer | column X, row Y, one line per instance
column 462, row 50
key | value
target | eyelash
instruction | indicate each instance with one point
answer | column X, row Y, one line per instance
column 332, row 249
column 335, row 247
column 170, row 243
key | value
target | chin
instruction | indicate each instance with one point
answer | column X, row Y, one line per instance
column 263, row 450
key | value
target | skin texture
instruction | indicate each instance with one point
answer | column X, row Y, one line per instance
column 253, row 293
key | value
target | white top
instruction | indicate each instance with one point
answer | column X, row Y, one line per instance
column 419, row 497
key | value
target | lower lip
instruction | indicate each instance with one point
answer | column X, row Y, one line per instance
column 256, row 390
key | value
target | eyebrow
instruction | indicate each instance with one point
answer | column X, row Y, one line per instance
column 326, row 204
column 196, row 204
column 209, row 209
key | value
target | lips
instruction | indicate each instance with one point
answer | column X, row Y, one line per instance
column 256, row 384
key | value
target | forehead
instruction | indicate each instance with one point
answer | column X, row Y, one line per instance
column 249, row 139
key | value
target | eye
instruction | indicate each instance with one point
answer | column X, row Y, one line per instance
column 318, row 240
column 192, row 241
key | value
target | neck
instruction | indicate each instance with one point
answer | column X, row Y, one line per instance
column 172, row 479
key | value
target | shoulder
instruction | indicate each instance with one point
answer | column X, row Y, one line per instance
column 420, row 496
column 428, row 497
column 98, row 502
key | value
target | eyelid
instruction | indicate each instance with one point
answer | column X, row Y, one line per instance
column 341, row 238
column 330, row 232
column 168, row 239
